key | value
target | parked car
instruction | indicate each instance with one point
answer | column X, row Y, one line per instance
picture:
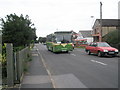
column 101, row 49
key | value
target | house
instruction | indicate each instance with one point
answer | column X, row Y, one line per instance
column 84, row 37
column 108, row 25
column 86, row 34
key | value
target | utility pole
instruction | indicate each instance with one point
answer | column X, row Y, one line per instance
column 92, row 28
column 100, row 39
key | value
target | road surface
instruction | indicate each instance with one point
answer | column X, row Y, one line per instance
column 76, row 69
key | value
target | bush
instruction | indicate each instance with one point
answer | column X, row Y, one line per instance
column 113, row 38
column 3, row 61
column 15, row 49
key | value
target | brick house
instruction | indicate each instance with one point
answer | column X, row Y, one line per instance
column 108, row 25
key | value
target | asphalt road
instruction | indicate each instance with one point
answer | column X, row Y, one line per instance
column 76, row 69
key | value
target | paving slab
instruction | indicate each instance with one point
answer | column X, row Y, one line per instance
column 37, row 76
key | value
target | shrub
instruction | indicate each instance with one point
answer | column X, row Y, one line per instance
column 113, row 38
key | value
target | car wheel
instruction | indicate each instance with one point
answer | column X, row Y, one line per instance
column 88, row 52
column 99, row 54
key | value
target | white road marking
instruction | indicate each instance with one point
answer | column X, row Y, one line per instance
column 34, row 54
column 73, row 54
column 98, row 62
column 34, row 47
column 49, row 73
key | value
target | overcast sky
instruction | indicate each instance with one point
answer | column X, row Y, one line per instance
column 51, row 15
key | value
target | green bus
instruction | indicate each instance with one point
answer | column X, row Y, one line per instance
column 60, row 41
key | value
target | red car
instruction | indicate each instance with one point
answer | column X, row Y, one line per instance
column 101, row 49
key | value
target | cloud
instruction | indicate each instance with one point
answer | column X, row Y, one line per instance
column 48, row 15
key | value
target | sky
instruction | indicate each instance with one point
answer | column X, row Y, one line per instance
column 60, row 15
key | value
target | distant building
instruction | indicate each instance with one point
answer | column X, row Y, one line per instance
column 86, row 34
column 108, row 25
column 83, row 38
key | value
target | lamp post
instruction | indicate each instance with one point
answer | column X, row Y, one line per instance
column 92, row 17
column 100, row 39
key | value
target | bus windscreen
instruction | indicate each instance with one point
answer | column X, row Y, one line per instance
column 63, row 38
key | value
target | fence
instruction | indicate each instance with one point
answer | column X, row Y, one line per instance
column 16, row 64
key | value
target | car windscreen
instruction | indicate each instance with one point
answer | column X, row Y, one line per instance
column 103, row 45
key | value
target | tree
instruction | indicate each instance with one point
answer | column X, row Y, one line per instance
column 18, row 30
column 42, row 39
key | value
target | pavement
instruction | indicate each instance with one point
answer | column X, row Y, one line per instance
column 119, row 54
column 37, row 76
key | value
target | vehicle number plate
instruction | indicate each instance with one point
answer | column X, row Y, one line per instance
column 64, row 50
column 111, row 52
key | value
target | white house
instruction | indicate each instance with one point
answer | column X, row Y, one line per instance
column 85, row 34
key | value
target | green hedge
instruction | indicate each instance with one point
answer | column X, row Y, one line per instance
column 113, row 38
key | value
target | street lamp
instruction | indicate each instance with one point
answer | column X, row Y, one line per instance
column 92, row 24
column 92, row 17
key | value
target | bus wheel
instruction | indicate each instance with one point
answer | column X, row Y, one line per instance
column 48, row 48
column 67, row 51
column 53, row 50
